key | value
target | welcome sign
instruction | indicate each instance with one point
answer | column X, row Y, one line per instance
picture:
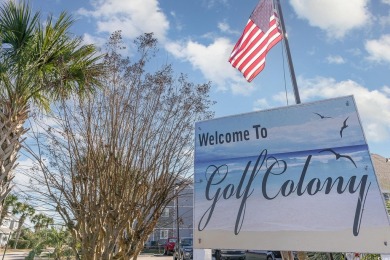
column 294, row 178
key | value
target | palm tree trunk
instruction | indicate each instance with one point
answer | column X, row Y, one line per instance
column 19, row 229
column 11, row 130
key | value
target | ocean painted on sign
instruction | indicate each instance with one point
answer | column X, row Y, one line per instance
column 299, row 168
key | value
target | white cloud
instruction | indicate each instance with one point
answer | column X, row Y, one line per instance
column 384, row 20
column 225, row 27
column 132, row 17
column 212, row 3
column 101, row 41
column 373, row 105
column 355, row 51
column 284, row 98
column 334, row 16
column 379, row 50
column 336, row 59
column 386, row 89
column 178, row 24
column 261, row 104
column 212, row 61
column 386, row 2
column 97, row 41
column 21, row 174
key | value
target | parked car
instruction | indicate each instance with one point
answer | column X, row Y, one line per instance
column 264, row 255
column 161, row 242
column 169, row 246
column 222, row 254
column 184, row 249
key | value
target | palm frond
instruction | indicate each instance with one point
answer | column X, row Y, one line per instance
column 17, row 24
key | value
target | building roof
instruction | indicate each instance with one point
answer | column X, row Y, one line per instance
column 382, row 170
column 12, row 217
column 5, row 230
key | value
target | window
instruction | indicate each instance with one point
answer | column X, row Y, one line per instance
column 13, row 224
column 164, row 234
column 165, row 212
column 6, row 223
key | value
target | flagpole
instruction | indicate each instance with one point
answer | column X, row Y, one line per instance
column 290, row 63
column 288, row 254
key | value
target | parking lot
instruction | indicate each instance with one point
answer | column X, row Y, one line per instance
column 249, row 256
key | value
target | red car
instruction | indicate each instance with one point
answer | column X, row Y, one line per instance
column 169, row 246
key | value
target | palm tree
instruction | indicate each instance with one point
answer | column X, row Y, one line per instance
column 25, row 211
column 8, row 204
column 38, row 65
column 59, row 239
column 41, row 221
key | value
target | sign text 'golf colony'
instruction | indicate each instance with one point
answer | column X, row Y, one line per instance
column 303, row 172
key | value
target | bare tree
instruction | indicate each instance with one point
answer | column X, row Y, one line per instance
column 110, row 162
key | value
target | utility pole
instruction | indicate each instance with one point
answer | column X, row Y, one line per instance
column 6, row 245
column 177, row 222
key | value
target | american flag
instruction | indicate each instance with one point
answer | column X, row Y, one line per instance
column 260, row 34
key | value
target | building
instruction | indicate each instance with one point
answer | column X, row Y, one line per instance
column 8, row 227
column 382, row 170
column 168, row 222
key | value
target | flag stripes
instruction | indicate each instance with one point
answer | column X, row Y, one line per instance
column 249, row 53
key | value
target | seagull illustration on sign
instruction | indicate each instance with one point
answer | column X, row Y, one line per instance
column 322, row 117
column 338, row 156
column 343, row 127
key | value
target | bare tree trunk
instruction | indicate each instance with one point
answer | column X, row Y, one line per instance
column 302, row 255
column 287, row 255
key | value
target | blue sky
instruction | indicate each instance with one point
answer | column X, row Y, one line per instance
column 338, row 48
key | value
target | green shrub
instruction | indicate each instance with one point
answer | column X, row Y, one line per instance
column 22, row 244
column 30, row 255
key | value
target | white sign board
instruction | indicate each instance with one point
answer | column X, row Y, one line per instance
column 296, row 178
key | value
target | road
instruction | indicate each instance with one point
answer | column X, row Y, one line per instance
column 154, row 257
column 18, row 255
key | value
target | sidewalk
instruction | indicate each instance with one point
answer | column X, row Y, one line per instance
column 155, row 257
